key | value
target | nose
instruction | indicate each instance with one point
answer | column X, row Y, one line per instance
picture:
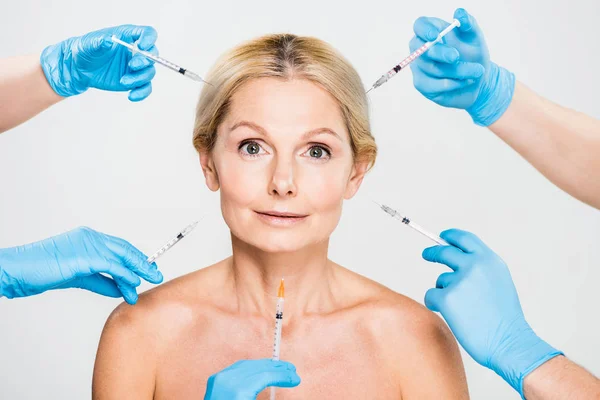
column 283, row 182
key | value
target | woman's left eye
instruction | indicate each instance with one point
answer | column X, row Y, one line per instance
column 318, row 152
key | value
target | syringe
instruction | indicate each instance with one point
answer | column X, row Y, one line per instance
column 160, row 60
column 413, row 56
column 172, row 242
column 408, row 222
column 278, row 326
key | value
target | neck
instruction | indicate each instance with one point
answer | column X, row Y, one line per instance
column 257, row 275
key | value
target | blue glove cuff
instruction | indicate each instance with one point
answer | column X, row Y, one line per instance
column 495, row 96
column 547, row 357
column 521, row 358
column 4, row 282
column 56, row 61
column 9, row 284
column 1, row 282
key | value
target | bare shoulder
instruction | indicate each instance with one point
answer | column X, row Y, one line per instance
column 418, row 325
column 173, row 303
column 134, row 337
column 383, row 307
column 415, row 342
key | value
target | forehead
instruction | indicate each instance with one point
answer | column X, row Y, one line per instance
column 296, row 104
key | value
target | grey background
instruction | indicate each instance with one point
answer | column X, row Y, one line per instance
column 130, row 169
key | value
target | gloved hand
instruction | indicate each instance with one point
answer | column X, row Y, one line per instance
column 479, row 302
column 75, row 260
column 245, row 379
column 94, row 61
column 457, row 72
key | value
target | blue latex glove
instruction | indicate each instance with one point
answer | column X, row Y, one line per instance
column 245, row 379
column 94, row 61
column 458, row 72
column 75, row 259
column 479, row 302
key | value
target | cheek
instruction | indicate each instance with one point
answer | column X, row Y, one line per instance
column 324, row 186
column 241, row 182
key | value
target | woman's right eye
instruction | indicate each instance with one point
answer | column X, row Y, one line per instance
column 251, row 148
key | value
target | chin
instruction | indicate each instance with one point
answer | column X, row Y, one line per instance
column 280, row 241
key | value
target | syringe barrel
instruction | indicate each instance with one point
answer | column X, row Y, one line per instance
column 278, row 328
column 430, row 235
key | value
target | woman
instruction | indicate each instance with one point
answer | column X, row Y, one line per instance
column 284, row 136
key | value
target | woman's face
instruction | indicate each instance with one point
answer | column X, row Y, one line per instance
column 283, row 163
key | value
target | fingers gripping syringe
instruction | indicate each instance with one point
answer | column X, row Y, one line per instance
column 172, row 242
column 413, row 56
column 160, row 60
column 416, row 227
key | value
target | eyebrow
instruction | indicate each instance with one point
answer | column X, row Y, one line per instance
column 259, row 129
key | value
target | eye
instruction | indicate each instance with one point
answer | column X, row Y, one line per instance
column 319, row 153
column 250, row 148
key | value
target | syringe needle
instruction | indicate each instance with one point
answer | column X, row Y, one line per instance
column 377, row 203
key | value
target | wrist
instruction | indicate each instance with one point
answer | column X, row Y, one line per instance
column 494, row 97
column 57, row 64
column 517, row 358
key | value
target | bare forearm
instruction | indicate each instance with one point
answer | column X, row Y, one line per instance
column 24, row 90
column 563, row 144
column 561, row 379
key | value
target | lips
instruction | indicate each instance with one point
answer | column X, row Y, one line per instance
column 278, row 214
column 279, row 219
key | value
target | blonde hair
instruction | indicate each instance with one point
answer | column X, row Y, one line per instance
column 286, row 56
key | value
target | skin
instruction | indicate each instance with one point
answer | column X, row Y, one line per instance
column 349, row 337
column 560, row 379
column 24, row 90
column 561, row 143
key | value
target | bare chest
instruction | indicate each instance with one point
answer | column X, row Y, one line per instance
column 332, row 363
